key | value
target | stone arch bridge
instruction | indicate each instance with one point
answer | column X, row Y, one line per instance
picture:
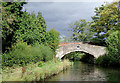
column 65, row 48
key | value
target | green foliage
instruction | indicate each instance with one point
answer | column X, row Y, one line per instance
column 113, row 48
column 104, row 20
column 79, row 56
column 106, row 17
column 34, row 73
column 81, row 31
column 47, row 53
column 10, row 12
column 71, row 56
column 53, row 39
column 113, row 42
column 40, row 64
column 31, row 29
column 106, row 61
column 22, row 54
column 19, row 25
column 98, row 40
column 75, row 56
column 22, row 26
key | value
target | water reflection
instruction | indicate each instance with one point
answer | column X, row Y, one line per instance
column 80, row 72
column 112, row 74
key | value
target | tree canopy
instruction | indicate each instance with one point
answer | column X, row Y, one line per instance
column 53, row 39
column 104, row 21
column 10, row 12
column 31, row 29
column 81, row 31
column 23, row 26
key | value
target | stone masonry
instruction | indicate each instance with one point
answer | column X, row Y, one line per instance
column 66, row 48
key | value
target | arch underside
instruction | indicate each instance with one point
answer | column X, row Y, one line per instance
column 80, row 52
column 76, row 51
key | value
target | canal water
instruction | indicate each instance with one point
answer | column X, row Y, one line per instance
column 87, row 72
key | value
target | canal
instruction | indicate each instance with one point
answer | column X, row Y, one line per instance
column 87, row 72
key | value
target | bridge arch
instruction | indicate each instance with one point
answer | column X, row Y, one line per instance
column 94, row 50
column 87, row 58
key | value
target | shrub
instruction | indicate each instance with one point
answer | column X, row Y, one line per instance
column 40, row 64
column 47, row 53
column 113, row 48
column 21, row 54
column 52, row 39
column 106, row 61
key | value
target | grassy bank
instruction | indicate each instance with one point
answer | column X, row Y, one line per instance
column 34, row 72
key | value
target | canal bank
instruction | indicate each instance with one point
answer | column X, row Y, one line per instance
column 34, row 72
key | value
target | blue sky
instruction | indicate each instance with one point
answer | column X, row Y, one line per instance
column 59, row 15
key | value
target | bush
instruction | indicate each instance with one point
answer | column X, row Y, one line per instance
column 40, row 64
column 52, row 39
column 113, row 48
column 22, row 54
column 46, row 52
column 106, row 61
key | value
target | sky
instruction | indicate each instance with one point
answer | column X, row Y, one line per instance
column 59, row 15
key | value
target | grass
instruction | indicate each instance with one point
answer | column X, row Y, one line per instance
column 33, row 72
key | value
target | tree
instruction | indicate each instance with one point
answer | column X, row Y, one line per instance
column 10, row 12
column 105, row 19
column 113, row 42
column 112, row 58
column 21, row 26
column 31, row 29
column 53, row 39
column 81, row 31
